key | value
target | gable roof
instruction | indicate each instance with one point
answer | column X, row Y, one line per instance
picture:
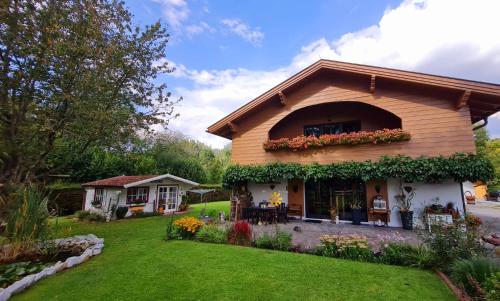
column 484, row 97
column 131, row 181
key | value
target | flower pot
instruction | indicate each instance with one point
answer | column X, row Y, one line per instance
column 407, row 219
column 356, row 216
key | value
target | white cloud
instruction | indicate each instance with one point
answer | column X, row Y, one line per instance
column 243, row 30
column 199, row 28
column 448, row 37
column 175, row 11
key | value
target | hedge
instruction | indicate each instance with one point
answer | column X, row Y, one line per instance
column 459, row 167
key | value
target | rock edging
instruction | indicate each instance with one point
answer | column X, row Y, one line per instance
column 94, row 246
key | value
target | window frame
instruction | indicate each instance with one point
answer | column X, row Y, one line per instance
column 98, row 195
column 135, row 197
column 322, row 126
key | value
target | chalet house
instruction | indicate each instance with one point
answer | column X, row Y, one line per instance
column 334, row 112
column 149, row 193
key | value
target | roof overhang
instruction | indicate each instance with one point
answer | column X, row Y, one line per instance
column 482, row 98
column 165, row 176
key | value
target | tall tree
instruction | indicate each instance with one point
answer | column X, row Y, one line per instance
column 74, row 74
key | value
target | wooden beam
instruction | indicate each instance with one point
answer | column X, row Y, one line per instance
column 233, row 127
column 464, row 99
column 372, row 84
column 282, row 98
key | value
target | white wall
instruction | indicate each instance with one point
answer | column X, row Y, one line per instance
column 262, row 192
column 448, row 191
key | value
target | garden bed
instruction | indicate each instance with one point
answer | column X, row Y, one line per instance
column 70, row 252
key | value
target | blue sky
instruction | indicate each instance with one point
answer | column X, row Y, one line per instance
column 228, row 52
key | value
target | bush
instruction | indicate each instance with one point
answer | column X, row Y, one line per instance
column 188, row 226
column 492, row 287
column 28, row 219
column 183, row 207
column 121, row 212
column 89, row 216
column 280, row 241
column 141, row 214
column 407, row 255
column 354, row 247
column 240, row 233
column 469, row 273
column 450, row 243
column 212, row 234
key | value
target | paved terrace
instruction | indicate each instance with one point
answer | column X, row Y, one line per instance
column 309, row 233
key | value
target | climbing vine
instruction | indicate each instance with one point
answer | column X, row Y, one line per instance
column 459, row 167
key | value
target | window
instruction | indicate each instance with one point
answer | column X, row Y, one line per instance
column 332, row 128
column 98, row 197
column 137, row 195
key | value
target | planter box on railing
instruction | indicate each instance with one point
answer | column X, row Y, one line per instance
column 305, row 142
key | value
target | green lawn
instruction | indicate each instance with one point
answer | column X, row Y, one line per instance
column 137, row 264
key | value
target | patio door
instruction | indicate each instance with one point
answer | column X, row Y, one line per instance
column 167, row 197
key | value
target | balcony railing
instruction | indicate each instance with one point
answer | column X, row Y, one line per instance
column 306, row 142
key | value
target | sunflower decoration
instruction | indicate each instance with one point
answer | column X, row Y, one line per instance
column 275, row 199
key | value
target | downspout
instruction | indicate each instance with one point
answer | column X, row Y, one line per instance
column 463, row 196
column 485, row 122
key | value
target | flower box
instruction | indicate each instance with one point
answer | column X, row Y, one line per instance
column 305, row 142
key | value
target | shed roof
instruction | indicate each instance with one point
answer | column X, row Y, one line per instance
column 130, row 181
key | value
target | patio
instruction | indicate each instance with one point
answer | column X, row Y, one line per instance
column 307, row 234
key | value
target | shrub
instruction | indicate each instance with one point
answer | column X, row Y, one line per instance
column 141, row 214
column 89, row 216
column 453, row 242
column 353, row 247
column 470, row 272
column 492, row 287
column 28, row 218
column 188, row 226
column 240, row 233
column 212, row 234
column 183, row 207
column 265, row 241
column 407, row 255
column 121, row 212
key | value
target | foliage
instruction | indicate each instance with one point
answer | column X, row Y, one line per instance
column 240, row 233
column 212, row 234
column 460, row 167
column 472, row 220
column 354, row 247
column 188, row 226
column 183, row 207
column 121, row 212
column 492, row 287
column 407, row 255
column 306, row 142
column 154, row 154
column 280, row 241
column 469, row 272
column 10, row 273
column 90, row 216
column 75, row 74
column 490, row 149
column 452, row 242
column 28, row 219
column 142, row 214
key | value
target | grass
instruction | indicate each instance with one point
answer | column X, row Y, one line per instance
column 137, row 264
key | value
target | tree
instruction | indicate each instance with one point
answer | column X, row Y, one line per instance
column 74, row 74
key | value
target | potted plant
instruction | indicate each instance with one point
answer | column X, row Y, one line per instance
column 356, row 213
column 405, row 198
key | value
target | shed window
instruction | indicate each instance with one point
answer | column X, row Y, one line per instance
column 98, row 196
column 137, row 195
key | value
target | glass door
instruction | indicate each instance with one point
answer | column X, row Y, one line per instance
column 167, row 197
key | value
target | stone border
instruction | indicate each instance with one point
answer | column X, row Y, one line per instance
column 95, row 248
column 459, row 293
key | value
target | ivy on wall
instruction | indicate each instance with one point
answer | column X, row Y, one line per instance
column 459, row 167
